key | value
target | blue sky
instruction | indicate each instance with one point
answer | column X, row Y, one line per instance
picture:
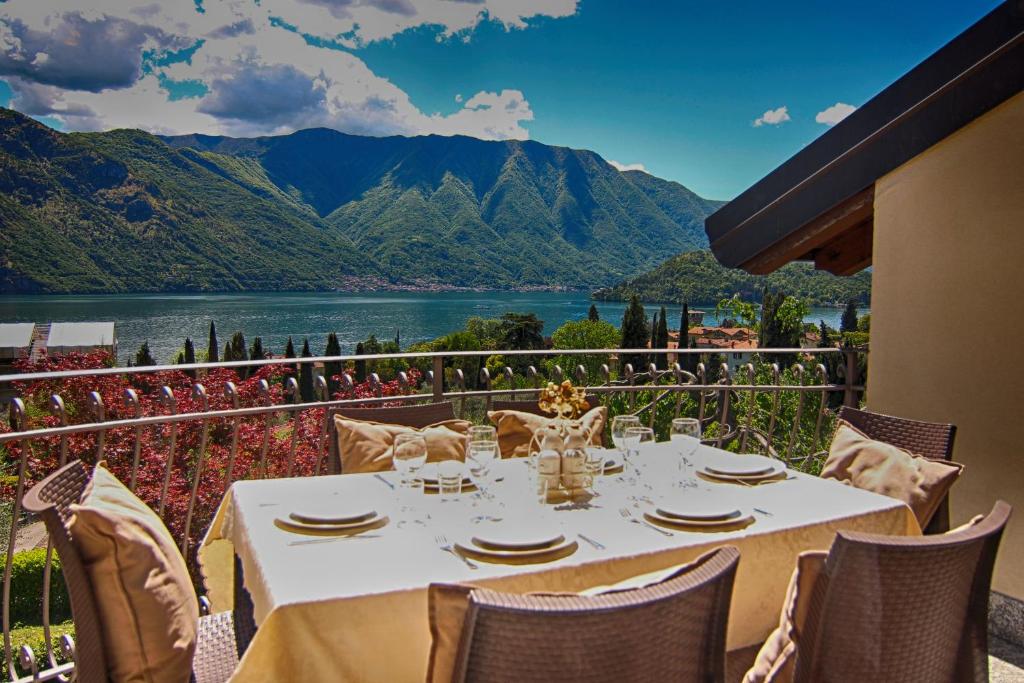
column 674, row 86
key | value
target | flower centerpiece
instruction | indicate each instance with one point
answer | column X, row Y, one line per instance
column 564, row 401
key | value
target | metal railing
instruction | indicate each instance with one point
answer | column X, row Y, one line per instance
column 179, row 435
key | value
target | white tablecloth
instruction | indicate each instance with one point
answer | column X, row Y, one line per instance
column 355, row 609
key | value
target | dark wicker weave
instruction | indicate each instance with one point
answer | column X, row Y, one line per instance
column 673, row 631
column 907, row 609
column 927, row 439
column 532, row 408
column 416, row 416
column 220, row 642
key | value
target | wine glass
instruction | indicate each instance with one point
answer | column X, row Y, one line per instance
column 409, row 454
column 620, row 423
column 685, row 437
column 635, row 440
column 483, row 433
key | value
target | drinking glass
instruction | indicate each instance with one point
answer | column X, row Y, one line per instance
column 449, row 479
column 685, row 437
column 620, row 423
column 594, row 466
column 481, row 457
column 636, row 440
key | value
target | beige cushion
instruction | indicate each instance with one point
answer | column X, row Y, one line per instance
column 860, row 461
column 448, row 603
column 776, row 662
column 144, row 595
column 515, row 428
column 366, row 446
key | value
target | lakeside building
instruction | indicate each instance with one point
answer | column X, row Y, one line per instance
column 736, row 344
column 925, row 183
column 81, row 338
column 15, row 341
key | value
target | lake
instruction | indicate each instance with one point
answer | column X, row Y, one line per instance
column 164, row 320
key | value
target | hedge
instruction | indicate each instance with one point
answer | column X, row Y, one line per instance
column 27, row 589
column 33, row 637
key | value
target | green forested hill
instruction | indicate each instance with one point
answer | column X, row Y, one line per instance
column 128, row 211
column 698, row 278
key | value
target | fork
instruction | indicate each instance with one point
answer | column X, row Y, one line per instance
column 443, row 544
column 627, row 515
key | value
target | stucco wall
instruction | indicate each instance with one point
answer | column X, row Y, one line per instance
column 947, row 310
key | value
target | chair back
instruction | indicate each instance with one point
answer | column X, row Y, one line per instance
column 532, row 408
column 416, row 416
column 929, row 439
column 51, row 499
column 671, row 631
column 890, row 608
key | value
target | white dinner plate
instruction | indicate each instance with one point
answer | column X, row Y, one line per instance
column 698, row 508
column 547, row 554
column 778, row 469
column 741, row 465
column 330, row 514
column 515, row 537
column 289, row 524
column 741, row 520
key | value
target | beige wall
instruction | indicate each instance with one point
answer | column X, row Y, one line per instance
column 947, row 310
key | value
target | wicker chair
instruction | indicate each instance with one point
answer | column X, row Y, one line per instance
column 672, row 631
column 928, row 439
column 220, row 641
column 531, row 406
column 890, row 608
column 416, row 416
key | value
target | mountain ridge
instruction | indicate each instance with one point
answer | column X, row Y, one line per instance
column 317, row 209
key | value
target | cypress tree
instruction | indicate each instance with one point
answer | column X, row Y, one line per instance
column 662, row 338
column 189, row 356
column 398, row 338
column 360, row 364
column 653, row 341
column 306, row 374
column 634, row 333
column 256, row 351
column 180, row 359
column 143, row 356
column 593, row 315
column 848, row 323
column 212, row 352
column 239, row 352
column 227, row 355
column 289, row 352
column 333, row 368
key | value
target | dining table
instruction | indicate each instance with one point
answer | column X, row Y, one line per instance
column 354, row 607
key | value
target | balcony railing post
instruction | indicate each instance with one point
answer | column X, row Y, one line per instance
column 438, row 383
column 849, row 395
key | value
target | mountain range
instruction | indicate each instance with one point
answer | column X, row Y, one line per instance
column 127, row 211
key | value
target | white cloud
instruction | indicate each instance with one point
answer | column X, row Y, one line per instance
column 834, row 114
column 772, row 117
column 627, row 167
column 260, row 78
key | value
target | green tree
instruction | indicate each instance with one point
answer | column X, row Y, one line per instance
column 212, row 350
column 470, row 366
column 864, row 323
column 848, row 323
column 584, row 334
column 143, row 356
column 306, row 375
column 521, row 331
column 189, row 356
column 662, row 339
column 634, row 334
column 653, row 341
column 360, row 364
column 592, row 315
column 737, row 308
column 239, row 352
column 487, row 330
column 289, row 352
column 226, row 355
column 332, row 368
column 256, row 351
column 180, row 358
